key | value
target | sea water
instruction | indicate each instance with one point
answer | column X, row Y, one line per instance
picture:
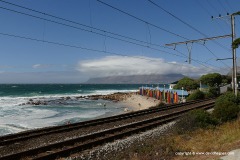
column 16, row 115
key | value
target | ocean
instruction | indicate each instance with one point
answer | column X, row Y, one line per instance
column 17, row 114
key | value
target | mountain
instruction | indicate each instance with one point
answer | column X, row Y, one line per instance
column 136, row 79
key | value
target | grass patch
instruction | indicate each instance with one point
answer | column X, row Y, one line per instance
column 223, row 138
column 218, row 139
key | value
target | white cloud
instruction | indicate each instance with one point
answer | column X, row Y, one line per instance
column 56, row 66
column 36, row 66
column 119, row 65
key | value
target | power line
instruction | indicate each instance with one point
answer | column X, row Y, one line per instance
column 222, row 6
column 84, row 25
column 228, row 4
column 90, row 49
column 208, row 12
column 83, row 48
column 215, row 56
column 104, row 35
column 77, row 23
column 216, row 10
column 175, row 34
column 187, row 24
column 213, row 7
column 195, row 60
column 91, row 32
column 98, row 33
column 68, row 45
column 190, row 26
column 46, row 14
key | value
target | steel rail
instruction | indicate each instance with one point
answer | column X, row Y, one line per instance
column 13, row 138
column 65, row 148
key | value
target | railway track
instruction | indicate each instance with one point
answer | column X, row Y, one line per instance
column 66, row 147
column 13, row 138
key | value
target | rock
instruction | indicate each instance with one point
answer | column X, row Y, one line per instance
column 126, row 109
column 37, row 103
column 94, row 98
column 67, row 98
column 80, row 97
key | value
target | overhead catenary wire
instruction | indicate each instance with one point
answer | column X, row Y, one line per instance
column 73, row 46
column 71, row 21
column 139, row 19
column 187, row 24
column 190, row 26
column 197, row 61
column 215, row 56
column 101, row 34
column 84, row 25
column 90, row 13
column 149, row 33
column 91, row 31
column 88, row 49
column 151, row 23
column 74, row 22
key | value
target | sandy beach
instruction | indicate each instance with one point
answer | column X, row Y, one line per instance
column 131, row 100
column 137, row 102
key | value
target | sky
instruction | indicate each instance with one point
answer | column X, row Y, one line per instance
column 62, row 41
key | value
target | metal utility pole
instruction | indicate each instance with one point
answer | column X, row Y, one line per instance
column 194, row 41
column 234, row 70
column 235, row 85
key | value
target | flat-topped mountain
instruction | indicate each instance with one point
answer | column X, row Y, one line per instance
column 136, row 79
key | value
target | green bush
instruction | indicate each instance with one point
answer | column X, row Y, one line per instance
column 228, row 96
column 229, row 89
column 225, row 110
column 196, row 95
column 187, row 83
column 195, row 119
column 214, row 91
column 209, row 95
column 203, row 118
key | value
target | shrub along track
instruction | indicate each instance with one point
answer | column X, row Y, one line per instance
column 51, row 142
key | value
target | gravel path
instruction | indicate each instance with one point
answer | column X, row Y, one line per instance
column 108, row 149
